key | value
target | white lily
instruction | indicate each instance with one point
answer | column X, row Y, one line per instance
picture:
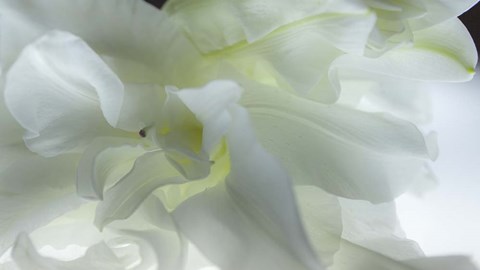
column 200, row 162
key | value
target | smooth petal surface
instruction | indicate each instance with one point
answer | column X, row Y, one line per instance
column 210, row 106
column 382, row 153
column 322, row 217
column 104, row 161
column 353, row 257
column 32, row 194
column 263, row 187
column 441, row 10
column 99, row 256
column 213, row 219
column 231, row 22
column 123, row 29
column 253, row 217
column 377, row 228
column 62, row 93
column 445, row 52
column 297, row 58
column 150, row 172
column 141, row 106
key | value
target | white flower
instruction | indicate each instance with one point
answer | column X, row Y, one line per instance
column 212, row 137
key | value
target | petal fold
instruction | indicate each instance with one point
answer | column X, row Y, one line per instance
column 62, row 93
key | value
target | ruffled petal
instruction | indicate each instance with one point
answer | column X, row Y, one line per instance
column 151, row 171
column 62, row 93
column 104, row 161
column 297, row 58
column 99, row 256
column 377, row 228
column 381, row 153
column 122, row 29
column 192, row 124
column 444, row 52
column 354, row 257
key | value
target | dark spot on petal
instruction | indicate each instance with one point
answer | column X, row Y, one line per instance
column 142, row 133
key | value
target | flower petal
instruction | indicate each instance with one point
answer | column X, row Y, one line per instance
column 354, row 257
column 263, row 187
column 32, row 194
column 122, row 29
column 445, row 52
column 99, row 256
column 104, row 161
column 322, row 216
column 382, row 153
column 151, row 171
column 209, row 105
column 141, row 106
column 214, row 219
column 297, row 58
column 55, row 91
column 441, row 10
column 377, row 228
column 253, row 217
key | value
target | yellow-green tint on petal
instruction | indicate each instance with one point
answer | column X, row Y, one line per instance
column 174, row 195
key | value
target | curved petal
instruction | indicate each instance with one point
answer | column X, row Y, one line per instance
column 141, row 106
column 346, row 152
column 123, row 29
column 209, row 105
column 445, row 52
column 151, row 171
column 214, row 219
column 99, row 256
column 297, row 58
column 32, row 194
column 231, row 22
column 104, row 161
column 192, row 124
column 254, row 173
column 441, row 10
column 55, row 91
column 377, row 228
column 354, row 257
column 322, row 216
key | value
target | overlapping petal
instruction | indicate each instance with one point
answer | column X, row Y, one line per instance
column 62, row 93
column 346, row 138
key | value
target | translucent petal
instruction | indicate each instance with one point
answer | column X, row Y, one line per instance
column 141, row 106
column 105, row 160
column 441, row 10
column 381, row 153
column 231, row 21
column 34, row 191
column 214, row 219
column 297, row 58
column 209, row 105
column 444, row 52
column 354, row 257
column 99, row 256
column 122, row 29
column 150, row 172
column 61, row 92
column 322, row 217
column 377, row 228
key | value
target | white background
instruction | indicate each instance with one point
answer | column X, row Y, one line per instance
column 447, row 219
